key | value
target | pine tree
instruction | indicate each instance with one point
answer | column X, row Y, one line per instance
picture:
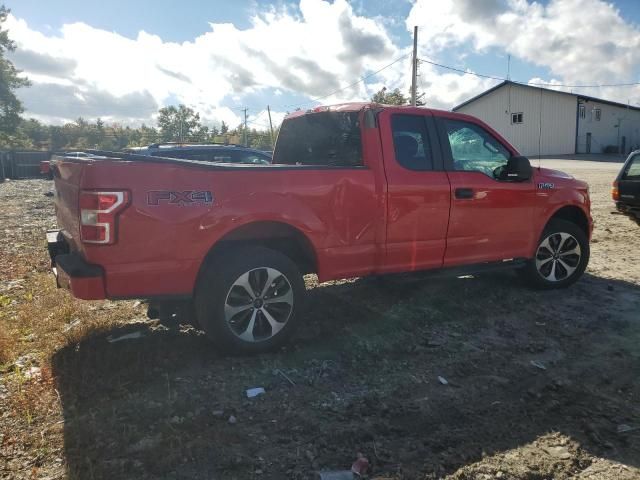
column 10, row 80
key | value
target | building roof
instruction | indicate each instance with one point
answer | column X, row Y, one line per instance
column 577, row 95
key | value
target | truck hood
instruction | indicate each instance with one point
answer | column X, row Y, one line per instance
column 558, row 177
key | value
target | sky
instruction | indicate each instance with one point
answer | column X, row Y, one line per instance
column 121, row 60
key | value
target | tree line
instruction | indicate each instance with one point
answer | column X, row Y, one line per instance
column 175, row 124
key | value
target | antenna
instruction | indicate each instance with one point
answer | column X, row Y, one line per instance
column 509, row 67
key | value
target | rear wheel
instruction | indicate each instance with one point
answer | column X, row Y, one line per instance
column 561, row 256
column 247, row 301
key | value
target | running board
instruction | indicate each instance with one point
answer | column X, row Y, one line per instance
column 478, row 268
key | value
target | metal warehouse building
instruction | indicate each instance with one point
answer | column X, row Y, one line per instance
column 548, row 122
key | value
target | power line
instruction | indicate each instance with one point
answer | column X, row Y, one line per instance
column 536, row 84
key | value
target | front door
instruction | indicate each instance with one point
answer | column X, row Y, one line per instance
column 418, row 194
column 490, row 219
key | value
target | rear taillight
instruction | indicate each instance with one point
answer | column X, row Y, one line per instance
column 615, row 193
column 98, row 215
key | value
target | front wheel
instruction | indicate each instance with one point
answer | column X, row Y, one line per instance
column 561, row 256
column 247, row 301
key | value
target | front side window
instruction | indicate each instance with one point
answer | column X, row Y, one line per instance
column 411, row 142
column 633, row 169
column 516, row 118
column 597, row 113
column 473, row 149
column 582, row 111
column 322, row 139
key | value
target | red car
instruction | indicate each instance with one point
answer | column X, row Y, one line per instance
column 354, row 190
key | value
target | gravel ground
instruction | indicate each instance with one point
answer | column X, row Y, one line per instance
column 539, row 385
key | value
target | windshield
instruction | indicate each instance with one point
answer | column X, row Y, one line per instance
column 325, row 138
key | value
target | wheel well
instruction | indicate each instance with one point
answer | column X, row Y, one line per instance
column 277, row 236
column 574, row 215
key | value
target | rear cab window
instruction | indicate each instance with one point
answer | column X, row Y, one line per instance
column 320, row 139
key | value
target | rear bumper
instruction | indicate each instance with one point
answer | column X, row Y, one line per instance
column 72, row 272
column 631, row 210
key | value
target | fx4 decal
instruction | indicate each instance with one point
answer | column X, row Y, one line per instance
column 188, row 197
column 546, row 186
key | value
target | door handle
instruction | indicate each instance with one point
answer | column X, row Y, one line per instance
column 464, row 193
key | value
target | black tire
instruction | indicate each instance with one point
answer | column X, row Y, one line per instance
column 218, row 285
column 534, row 274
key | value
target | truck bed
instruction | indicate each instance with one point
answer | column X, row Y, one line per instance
column 161, row 245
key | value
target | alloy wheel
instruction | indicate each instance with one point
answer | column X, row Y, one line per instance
column 259, row 304
column 558, row 257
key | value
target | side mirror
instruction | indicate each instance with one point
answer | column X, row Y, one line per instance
column 518, row 169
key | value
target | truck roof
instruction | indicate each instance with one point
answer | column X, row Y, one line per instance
column 357, row 106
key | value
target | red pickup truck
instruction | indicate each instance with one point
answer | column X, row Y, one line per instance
column 354, row 190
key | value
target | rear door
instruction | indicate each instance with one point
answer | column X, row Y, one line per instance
column 490, row 219
column 629, row 183
column 418, row 194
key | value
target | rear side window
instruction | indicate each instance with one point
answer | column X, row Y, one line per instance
column 411, row 142
column 323, row 139
column 633, row 169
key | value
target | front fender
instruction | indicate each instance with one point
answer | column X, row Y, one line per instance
column 550, row 204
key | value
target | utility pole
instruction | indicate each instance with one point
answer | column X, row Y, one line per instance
column 245, row 126
column 270, row 127
column 414, row 66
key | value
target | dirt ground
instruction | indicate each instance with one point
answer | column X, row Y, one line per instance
column 539, row 385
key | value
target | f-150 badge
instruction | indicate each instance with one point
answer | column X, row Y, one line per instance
column 189, row 197
column 545, row 186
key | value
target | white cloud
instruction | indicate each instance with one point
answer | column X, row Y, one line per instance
column 311, row 51
column 579, row 41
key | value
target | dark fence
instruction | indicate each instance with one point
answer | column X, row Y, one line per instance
column 19, row 164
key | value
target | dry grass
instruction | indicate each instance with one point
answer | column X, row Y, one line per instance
column 41, row 318
column 4, row 347
column 36, row 321
column 365, row 365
